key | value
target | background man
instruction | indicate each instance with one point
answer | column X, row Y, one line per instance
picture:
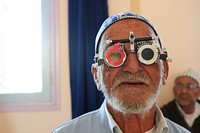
column 185, row 108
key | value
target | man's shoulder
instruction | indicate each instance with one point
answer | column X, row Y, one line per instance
column 198, row 101
column 94, row 121
column 169, row 104
column 170, row 108
column 175, row 128
column 78, row 124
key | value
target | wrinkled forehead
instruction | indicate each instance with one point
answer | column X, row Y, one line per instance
column 122, row 29
column 185, row 79
column 119, row 17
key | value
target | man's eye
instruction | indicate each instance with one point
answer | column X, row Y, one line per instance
column 191, row 86
column 115, row 56
column 179, row 86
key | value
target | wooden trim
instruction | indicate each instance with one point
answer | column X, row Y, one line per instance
column 135, row 6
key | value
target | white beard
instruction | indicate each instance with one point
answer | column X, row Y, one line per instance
column 141, row 107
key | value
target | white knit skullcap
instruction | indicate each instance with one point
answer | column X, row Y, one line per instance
column 190, row 73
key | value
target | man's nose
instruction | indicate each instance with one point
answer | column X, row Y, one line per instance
column 132, row 64
column 184, row 90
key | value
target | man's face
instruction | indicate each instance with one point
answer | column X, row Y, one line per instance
column 186, row 91
column 133, row 87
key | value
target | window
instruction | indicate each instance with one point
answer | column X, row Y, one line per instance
column 29, row 68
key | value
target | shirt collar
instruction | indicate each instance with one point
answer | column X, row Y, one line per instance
column 160, row 127
column 112, row 124
column 161, row 124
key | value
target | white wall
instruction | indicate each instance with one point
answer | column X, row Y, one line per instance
column 116, row 6
column 178, row 23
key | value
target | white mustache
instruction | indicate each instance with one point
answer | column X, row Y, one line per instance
column 139, row 77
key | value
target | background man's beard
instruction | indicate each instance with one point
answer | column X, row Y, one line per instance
column 183, row 102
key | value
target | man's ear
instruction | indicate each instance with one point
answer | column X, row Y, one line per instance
column 94, row 74
column 166, row 71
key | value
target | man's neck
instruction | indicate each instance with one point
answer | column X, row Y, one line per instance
column 134, row 123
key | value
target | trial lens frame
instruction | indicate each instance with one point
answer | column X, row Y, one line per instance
column 131, row 40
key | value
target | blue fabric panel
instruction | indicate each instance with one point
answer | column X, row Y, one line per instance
column 85, row 18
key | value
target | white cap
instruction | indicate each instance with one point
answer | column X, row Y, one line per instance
column 190, row 73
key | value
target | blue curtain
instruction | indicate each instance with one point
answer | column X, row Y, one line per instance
column 85, row 18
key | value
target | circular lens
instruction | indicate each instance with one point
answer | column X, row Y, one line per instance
column 147, row 54
column 115, row 56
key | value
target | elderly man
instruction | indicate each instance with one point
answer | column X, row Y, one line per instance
column 185, row 108
column 130, row 68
